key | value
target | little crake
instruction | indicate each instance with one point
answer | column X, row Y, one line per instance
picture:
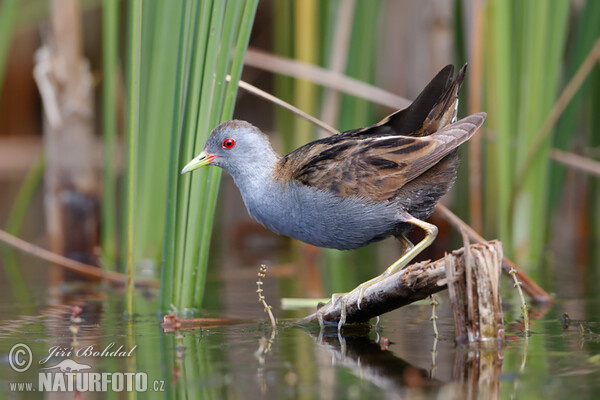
column 356, row 187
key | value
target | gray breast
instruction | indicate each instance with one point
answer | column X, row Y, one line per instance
column 320, row 218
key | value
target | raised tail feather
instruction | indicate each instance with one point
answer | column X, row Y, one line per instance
column 435, row 107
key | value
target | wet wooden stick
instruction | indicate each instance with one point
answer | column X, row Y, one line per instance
column 415, row 282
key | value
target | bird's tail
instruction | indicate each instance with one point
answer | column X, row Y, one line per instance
column 435, row 107
column 445, row 110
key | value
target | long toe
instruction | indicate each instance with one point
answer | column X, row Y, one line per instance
column 365, row 285
column 342, row 302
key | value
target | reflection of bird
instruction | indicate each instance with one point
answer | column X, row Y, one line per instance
column 350, row 189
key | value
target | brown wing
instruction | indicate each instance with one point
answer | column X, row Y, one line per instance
column 374, row 168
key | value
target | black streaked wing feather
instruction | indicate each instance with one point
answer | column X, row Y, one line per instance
column 373, row 168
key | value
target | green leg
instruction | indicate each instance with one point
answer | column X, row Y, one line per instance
column 406, row 244
column 409, row 250
column 431, row 232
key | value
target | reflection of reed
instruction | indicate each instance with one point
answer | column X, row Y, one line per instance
column 474, row 289
column 479, row 368
column 264, row 348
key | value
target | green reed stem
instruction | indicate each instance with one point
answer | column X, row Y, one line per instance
column 8, row 13
column 110, row 26
column 211, row 34
column 133, row 131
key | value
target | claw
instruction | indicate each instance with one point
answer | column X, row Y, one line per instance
column 342, row 315
column 340, row 298
column 362, row 287
column 320, row 318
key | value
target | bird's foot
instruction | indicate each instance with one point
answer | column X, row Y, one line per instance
column 337, row 299
column 342, row 298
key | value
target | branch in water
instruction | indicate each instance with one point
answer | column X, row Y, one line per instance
column 415, row 282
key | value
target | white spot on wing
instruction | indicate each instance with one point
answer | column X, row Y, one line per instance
column 455, row 112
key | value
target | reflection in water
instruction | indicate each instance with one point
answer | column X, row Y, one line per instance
column 225, row 358
column 264, row 348
column 477, row 370
column 372, row 361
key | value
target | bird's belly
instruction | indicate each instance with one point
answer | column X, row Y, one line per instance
column 325, row 220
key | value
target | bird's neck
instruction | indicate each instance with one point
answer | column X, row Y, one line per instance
column 261, row 192
column 255, row 176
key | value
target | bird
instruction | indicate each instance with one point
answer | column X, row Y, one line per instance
column 357, row 187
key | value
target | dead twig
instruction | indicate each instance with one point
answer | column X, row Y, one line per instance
column 576, row 161
column 89, row 271
column 298, row 69
column 267, row 96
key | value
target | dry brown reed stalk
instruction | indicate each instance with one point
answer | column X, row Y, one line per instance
column 79, row 268
column 473, row 279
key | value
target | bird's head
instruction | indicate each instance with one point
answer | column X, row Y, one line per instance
column 234, row 146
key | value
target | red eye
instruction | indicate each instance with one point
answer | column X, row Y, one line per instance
column 228, row 143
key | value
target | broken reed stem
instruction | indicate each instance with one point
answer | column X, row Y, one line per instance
column 473, row 279
column 324, row 77
column 577, row 161
column 524, row 308
column 262, row 273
